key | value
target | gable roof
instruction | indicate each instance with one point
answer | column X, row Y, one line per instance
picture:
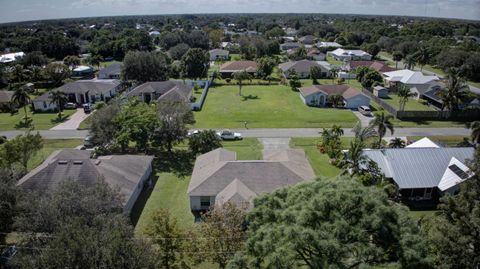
column 166, row 90
column 376, row 65
column 345, row 91
column 406, row 76
column 113, row 69
column 456, row 173
column 423, row 143
column 219, row 173
column 303, row 66
column 118, row 171
column 219, row 52
column 328, row 44
column 235, row 66
column 416, row 167
column 93, row 86
column 345, row 52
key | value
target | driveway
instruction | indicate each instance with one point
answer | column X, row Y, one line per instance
column 364, row 120
column 73, row 122
column 275, row 143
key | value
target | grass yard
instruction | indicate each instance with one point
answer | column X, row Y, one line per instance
column 417, row 215
column 49, row 146
column 333, row 61
column 265, row 107
column 319, row 162
column 411, row 105
column 41, row 121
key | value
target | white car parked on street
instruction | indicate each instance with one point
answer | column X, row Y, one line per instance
column 229, row 135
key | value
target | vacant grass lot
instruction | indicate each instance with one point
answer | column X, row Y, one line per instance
column 49, row 146
column 41, row 121
column 265, row 107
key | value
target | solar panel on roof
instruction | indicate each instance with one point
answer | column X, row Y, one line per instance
column 459, row 172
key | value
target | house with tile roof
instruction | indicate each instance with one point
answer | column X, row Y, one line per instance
column 227, row 69
column 127, row 173
column 303, row 67
column 218, row 177
column 162, row 90
column 423, row 171
column 375, row 65
column 317, row 95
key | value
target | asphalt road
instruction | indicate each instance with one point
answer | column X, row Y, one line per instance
column 269, row 133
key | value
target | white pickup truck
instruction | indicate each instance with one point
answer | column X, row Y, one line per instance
column 229, row 135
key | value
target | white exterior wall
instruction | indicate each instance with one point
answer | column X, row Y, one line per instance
column 43, row 105
column 195, row 203
column 356, row 101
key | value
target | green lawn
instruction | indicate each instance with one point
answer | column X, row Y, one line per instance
column 49, row 146
column 411, row 105
column 319, row 162
column 265, row 107
column 333, row 61
column 41, row 121
column 417, row 215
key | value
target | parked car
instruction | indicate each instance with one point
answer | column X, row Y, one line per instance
column 70, row 105
column 87, row 108
column 192, row 133
column 87, row 142
column 365, row 110
column 229, row 135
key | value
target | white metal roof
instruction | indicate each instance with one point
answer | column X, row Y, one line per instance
column 450, row 178
column 423, row 143
column 406, row 76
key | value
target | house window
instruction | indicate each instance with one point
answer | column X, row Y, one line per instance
column 205, row 201
column 44, row 104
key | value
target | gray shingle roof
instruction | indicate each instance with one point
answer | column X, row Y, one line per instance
column 416, row 167
column 166, row 90
column 93, row 86
column 215, row 171
column 119, row 171
column 113, row 69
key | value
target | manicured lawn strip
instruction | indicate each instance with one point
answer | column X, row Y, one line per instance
column 411, row 105
column 246, row 149
column 265, row 107
column 49, row 146
column 333, row 61
column 448, row 141
column 417, row 215
column 41, row 121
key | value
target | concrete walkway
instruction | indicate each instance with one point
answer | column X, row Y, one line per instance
column 73, row 122
column 275, row 143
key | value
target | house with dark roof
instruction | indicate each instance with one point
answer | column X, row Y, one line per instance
column 423, row 173
column 81, row 92
column 308, row 39
column 162, row 90
column 113, row 71
column 227, row 69
column 127, row 173
column 375, row 65
column 317, row 95
column 303, row 67
column 219, row 54
column 290, row 45
column 218, row 177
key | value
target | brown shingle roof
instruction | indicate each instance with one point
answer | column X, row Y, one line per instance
column 376, row 65
column 344, row 90
column 235, row 66
column 166, row 90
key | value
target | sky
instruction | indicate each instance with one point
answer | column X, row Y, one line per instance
column 24, row 10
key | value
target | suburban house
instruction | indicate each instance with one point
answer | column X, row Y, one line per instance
column 83, row 71
column 433, row 96
column 380, row 91
column 81, row 92
column 227, row 45
column 308, row 39
column 302, row 68
column 423, row 172
column 317, row 95
column 315, row 54
column 328, row 45
column 415, row 80
column 154, row 33
column 219, row 54
column 11, row 57
column 113, row 71
column 227, row 69
column 375, row 65
column 162, row 90
column 349, row 55
column 5, row 100
column 128, row 173
column 290, row 45
column 218, row 177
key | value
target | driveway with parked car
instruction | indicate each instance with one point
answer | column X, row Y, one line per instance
column 73, row 122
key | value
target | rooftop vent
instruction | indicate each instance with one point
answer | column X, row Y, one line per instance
column 62, row 162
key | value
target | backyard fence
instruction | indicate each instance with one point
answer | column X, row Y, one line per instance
column 414, row 115
column 202, row 83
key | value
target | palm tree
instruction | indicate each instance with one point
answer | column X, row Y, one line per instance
column 335, row 99
column 240, row 77
column 59, row 98
column 475, row 135
column 422, row 56
column 334, row 73
column 455, row 89
column 403, row 93
column 354, row 158
column 363, row 134
column 21, row 99
column 410, row 62
column 397, row 56
column 396, row 143
column 382, row 123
